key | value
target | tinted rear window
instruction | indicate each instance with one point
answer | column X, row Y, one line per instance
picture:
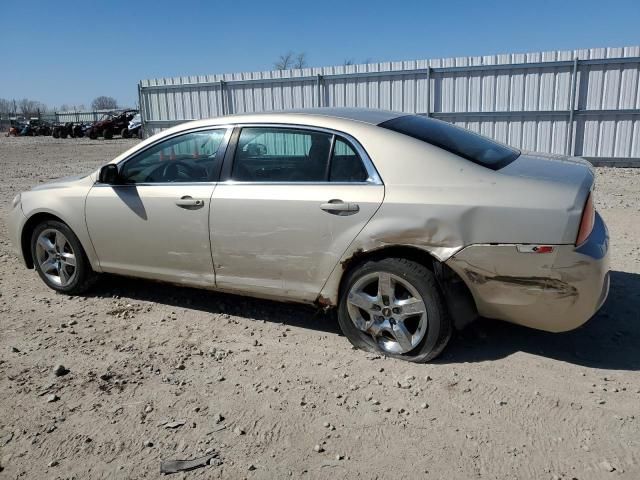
column 466, row 144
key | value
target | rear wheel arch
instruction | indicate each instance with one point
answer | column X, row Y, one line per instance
column 458, row 298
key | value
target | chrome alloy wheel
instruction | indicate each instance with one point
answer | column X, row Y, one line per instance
column 390, row 309
column 56, row 257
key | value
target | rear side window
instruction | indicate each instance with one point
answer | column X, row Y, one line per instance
column 346, row 164
column 267, row 154
column 459, row 141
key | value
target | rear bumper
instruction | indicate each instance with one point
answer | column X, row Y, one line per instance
column 555, row 292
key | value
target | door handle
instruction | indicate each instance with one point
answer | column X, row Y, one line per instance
column 338, row 207
column 190, row 203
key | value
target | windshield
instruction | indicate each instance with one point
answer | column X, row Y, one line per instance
column 462, row 142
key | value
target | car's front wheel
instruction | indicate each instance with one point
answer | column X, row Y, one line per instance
column 60, row 259
column 393, row 306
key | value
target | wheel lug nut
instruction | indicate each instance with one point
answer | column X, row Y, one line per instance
column 396, row 310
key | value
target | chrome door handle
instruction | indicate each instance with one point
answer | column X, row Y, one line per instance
column 189, row 202
column 338, row 207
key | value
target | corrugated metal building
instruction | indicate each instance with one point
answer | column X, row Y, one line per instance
column 581, row 102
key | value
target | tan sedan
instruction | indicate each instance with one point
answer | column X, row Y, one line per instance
column 409, row 226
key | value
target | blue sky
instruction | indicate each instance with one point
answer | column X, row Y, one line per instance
column 72, row 51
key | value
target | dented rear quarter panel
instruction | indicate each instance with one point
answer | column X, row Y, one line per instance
column 441, row 203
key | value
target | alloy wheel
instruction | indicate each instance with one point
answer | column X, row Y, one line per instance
column 390, row 309
column 56, row 257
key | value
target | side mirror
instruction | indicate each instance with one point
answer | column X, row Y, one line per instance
column 108, row 174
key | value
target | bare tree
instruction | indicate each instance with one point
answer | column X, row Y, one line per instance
column 301, row 60
column 104, row 103
column 284, row 62
column 348, row 61
column 29, row 108
column 6, row 106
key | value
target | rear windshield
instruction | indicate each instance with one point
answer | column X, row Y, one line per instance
column 466, row 144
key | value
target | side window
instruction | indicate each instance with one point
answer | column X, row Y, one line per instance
column 192, row 157
column 346, row 164
column 266, row 154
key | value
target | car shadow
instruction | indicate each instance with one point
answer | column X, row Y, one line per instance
column 610, row 340
column 292, row 314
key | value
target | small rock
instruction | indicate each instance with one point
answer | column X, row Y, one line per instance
column 607, row 466
column 251, row 468
column 53, row 463
column 176, row 424
column 148, row 409
column 52, row 398
column 218, row 418
column 60, row 370
column 239, row 431
column 148, row 443
column 500, row 403
column 15, row 350
column 318, row 448
column 339, row 457
column 424, row 405
column 326, row 424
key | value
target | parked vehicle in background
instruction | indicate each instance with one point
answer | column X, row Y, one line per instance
column 62, row 130
column 113, row 123
column 43, row 128
column 134, row 129
column 408, row 226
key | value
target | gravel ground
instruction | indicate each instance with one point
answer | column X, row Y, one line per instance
column 271, row 390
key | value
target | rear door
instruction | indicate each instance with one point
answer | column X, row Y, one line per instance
column 291, row 202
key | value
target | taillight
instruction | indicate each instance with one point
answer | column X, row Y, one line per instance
column 587, row 221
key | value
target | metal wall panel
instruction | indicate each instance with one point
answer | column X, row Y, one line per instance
column 522, row 99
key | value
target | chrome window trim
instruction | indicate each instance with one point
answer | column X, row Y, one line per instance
column 307, row 184
column 374, row 176
column 151, row 184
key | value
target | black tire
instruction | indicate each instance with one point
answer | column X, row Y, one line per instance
column 63, row 134
column 56, row 133
column 107, row 134
column 124, row 133
column 439, row 328
column 139, row 134
column 93, row 134
column 84, row 277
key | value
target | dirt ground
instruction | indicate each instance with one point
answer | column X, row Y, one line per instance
column 263, row 385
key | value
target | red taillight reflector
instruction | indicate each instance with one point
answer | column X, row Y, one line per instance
column 587, row 221
column 543, row 249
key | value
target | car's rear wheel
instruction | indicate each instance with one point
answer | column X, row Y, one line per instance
column 125, row 133
column 107, row 134
column 60, row 259
column 393, row 306
column 93, row 134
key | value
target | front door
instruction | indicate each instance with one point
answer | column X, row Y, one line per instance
column 155, row 222
column 294, row 202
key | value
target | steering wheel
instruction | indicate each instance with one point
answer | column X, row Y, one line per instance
column 173, row 171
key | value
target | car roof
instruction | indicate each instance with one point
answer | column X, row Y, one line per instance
column 366, row 115
column 319, row 117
